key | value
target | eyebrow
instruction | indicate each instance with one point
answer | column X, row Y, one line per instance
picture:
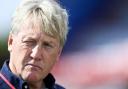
column 32, row 36
column 28, row 36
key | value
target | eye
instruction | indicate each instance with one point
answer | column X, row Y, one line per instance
column 47, row 45
column 29, row 42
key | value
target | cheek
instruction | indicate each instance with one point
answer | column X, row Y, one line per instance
column 52, row 59
column 20, row 56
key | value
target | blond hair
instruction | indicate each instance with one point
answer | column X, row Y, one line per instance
column 52, row 18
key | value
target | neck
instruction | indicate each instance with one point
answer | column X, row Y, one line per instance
column 12, row 68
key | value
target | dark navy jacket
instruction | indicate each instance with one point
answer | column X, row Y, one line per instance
column 18, row 83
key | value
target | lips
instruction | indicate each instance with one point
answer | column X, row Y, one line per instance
column 33, row 66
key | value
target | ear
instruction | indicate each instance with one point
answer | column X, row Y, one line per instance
column 10, row 41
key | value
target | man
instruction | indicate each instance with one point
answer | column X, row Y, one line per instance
column 38, row 33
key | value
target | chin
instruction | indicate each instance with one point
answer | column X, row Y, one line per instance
column 30, row 76
column 32, row 79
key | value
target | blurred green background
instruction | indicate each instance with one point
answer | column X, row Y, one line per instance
column 4, row 54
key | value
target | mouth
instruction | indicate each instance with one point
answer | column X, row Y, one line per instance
column 34, row 66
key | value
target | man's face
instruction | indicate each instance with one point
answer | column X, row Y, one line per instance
column 32, row 53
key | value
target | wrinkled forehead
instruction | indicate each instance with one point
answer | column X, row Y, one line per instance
column 28, row 31
column 37, row 36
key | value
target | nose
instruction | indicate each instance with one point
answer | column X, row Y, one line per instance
column 36, row 53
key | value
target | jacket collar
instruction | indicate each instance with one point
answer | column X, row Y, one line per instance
column 18, row 82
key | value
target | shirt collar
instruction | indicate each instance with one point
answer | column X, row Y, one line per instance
column 49, row 81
